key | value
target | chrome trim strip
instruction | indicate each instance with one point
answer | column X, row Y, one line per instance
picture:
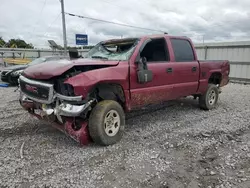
column 35, row 82
column 69, row 110
column 67, row 98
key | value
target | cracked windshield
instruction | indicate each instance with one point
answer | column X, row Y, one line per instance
column 120, row 50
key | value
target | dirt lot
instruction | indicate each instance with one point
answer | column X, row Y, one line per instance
column 174, row 145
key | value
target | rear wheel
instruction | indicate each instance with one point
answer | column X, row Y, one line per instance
column 209, row 100
column 107, row 122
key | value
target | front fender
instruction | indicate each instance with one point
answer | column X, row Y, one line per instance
column 84, row 82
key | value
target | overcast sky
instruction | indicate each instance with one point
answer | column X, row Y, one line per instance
column 37, row 21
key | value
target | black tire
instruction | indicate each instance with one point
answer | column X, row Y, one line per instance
column 97, row 122
column 205, row 100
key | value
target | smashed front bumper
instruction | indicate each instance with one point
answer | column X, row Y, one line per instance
column 61, row 116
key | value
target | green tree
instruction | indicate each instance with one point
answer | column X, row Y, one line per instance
column 19, row 44
column 2, row 42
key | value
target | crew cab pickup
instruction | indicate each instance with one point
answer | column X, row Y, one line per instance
column 87, row 97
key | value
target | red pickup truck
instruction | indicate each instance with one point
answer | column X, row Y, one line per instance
column 87, row 97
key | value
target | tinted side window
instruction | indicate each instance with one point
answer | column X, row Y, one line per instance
column 156, row 51
column 182, row 50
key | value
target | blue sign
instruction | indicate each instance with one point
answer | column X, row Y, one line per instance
column 81, row 39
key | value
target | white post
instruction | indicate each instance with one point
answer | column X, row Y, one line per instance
column 64, row 28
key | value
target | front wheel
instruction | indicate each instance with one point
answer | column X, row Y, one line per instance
column 209, row 100
column 107, row 122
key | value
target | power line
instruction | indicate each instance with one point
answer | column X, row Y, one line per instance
column 44, row 3
column 52, row 23
column 213, row 24
column 115, row 23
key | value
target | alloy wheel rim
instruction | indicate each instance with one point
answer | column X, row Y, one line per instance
column 112, row 123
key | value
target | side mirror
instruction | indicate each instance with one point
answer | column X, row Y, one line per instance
column 138, row 57
column 140, row 60
column 143, row 60
column 142, row 63
column 143, row 74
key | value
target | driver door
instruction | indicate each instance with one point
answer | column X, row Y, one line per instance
column 161, row 86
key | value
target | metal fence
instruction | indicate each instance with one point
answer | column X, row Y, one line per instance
column 238, row 53
column 31, row 53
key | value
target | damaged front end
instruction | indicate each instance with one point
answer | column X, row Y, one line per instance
column 63, row 110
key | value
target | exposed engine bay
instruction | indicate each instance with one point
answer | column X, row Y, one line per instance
column 61, row 108
column 66, row 89
column 54, row 99
column 57, row 96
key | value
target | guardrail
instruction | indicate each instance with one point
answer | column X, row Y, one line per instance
column 24, row 56
column 29, row 54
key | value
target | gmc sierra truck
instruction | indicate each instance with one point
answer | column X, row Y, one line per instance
column 87, row 98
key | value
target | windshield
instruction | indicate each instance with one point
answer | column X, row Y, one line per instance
column 113, row 50
column 37, row 61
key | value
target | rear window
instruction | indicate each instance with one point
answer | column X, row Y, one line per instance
column 182, row 50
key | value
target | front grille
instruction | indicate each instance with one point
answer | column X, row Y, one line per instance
column 37, row 91
column 34, row 90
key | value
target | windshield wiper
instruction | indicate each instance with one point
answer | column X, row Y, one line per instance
column 99, row 57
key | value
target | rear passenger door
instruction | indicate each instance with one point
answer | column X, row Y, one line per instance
column 185, row 67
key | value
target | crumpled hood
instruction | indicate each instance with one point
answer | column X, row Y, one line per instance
column 15, row 67
column 56, row 68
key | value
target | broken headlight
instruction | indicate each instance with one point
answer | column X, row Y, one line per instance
column 64, row 89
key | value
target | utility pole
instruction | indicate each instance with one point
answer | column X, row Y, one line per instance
column 64, row 28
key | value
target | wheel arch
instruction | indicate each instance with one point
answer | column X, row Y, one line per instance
column 215, row 78
column 109, row 91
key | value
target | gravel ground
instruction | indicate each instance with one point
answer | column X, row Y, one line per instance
column 172, row 145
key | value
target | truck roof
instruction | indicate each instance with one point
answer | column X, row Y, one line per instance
column 162, row 35
column 125, row 40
